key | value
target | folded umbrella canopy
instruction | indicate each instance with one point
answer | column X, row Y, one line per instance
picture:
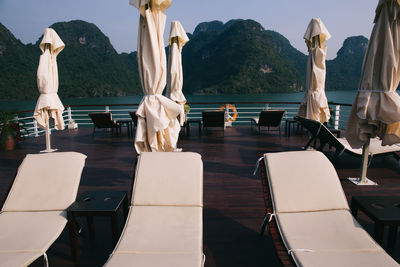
column 314, row 104
column 376, row 108
column 49, row 104
column 177, row 39
column 156, row 112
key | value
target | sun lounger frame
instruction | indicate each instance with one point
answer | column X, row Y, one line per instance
column 293, row 198
column 320, row 132
column 165, row 192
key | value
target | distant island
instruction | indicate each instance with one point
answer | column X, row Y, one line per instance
column 238, row 57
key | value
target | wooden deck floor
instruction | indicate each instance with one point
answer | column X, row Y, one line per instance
column 233, row 204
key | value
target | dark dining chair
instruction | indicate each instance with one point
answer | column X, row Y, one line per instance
column 268, row 118
column 214, row 119
column 103, row 120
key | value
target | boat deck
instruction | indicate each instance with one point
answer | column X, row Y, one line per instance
column 233, row 198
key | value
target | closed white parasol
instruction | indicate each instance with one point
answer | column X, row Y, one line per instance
column 155, row 112
column 177, row 39
column 49, row 104
column 376, row 107
column 314, row 104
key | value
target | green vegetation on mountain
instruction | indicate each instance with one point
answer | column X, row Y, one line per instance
column 16, row 65
column 343, row 72
column 243, row 58
column 238, row 57
column 89, row 66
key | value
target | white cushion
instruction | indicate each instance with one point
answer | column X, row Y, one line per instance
column 47, row 181
column 303, row 181
column 168, row 179
column 375, row 148
column 30, row 231
column 151, row 260
column 162, row 229
column 18, row 258
column 334, row 230
column 344, row 259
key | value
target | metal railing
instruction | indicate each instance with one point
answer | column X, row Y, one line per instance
column 245, row 111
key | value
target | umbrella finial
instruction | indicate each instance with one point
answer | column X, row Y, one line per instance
column 174, row 40
column 47, row 46
column 148, row 6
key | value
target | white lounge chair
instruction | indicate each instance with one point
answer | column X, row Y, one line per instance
column 33, row 214
column 310, row 212
column 325, row 136
column 164, row 225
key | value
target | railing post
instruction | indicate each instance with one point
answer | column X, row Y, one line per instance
column 226, row 112
column 35, row 127
column 337, row 116
column 16, row 119
column 69, row 111
column 227, row 122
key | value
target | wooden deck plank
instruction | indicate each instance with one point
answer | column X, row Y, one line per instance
column 233, row 197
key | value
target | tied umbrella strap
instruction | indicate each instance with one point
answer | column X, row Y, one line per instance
column 257, row 166
column 268, row 217
column 46, row 260
column 290, row 251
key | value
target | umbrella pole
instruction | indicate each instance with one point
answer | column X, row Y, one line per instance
column 48, row 144
column 47, row 131
column 363, row 180
column 364, row 162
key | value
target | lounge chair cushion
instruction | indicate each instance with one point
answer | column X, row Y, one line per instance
column 46, row 181
column 321, row 132
column 147, row 260
column 168, row 179
column 155, row 229
column 301, row 186
column 18, row 258
column 30, row 231
column 325, row 230
column 344, row 259
column 375, row 148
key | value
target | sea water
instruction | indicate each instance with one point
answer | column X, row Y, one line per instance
column 344, row 97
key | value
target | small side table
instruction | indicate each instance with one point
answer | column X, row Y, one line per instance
column 383, row 210
column 288, row 125
column 127, row 123
column 95, row 203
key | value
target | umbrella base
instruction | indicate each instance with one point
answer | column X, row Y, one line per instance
column 49, row 150
column 357, row 181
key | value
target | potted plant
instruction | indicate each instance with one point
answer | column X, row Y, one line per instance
column 186, row 109
column 9, row 130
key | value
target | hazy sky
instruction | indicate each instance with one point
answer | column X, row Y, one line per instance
column 119, row 21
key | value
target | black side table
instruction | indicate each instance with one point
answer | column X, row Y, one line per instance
column 383, row 210
column 288, row 125
column 128, row 124
column 95, row 203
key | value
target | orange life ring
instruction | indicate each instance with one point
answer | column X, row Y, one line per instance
column 233, row 108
